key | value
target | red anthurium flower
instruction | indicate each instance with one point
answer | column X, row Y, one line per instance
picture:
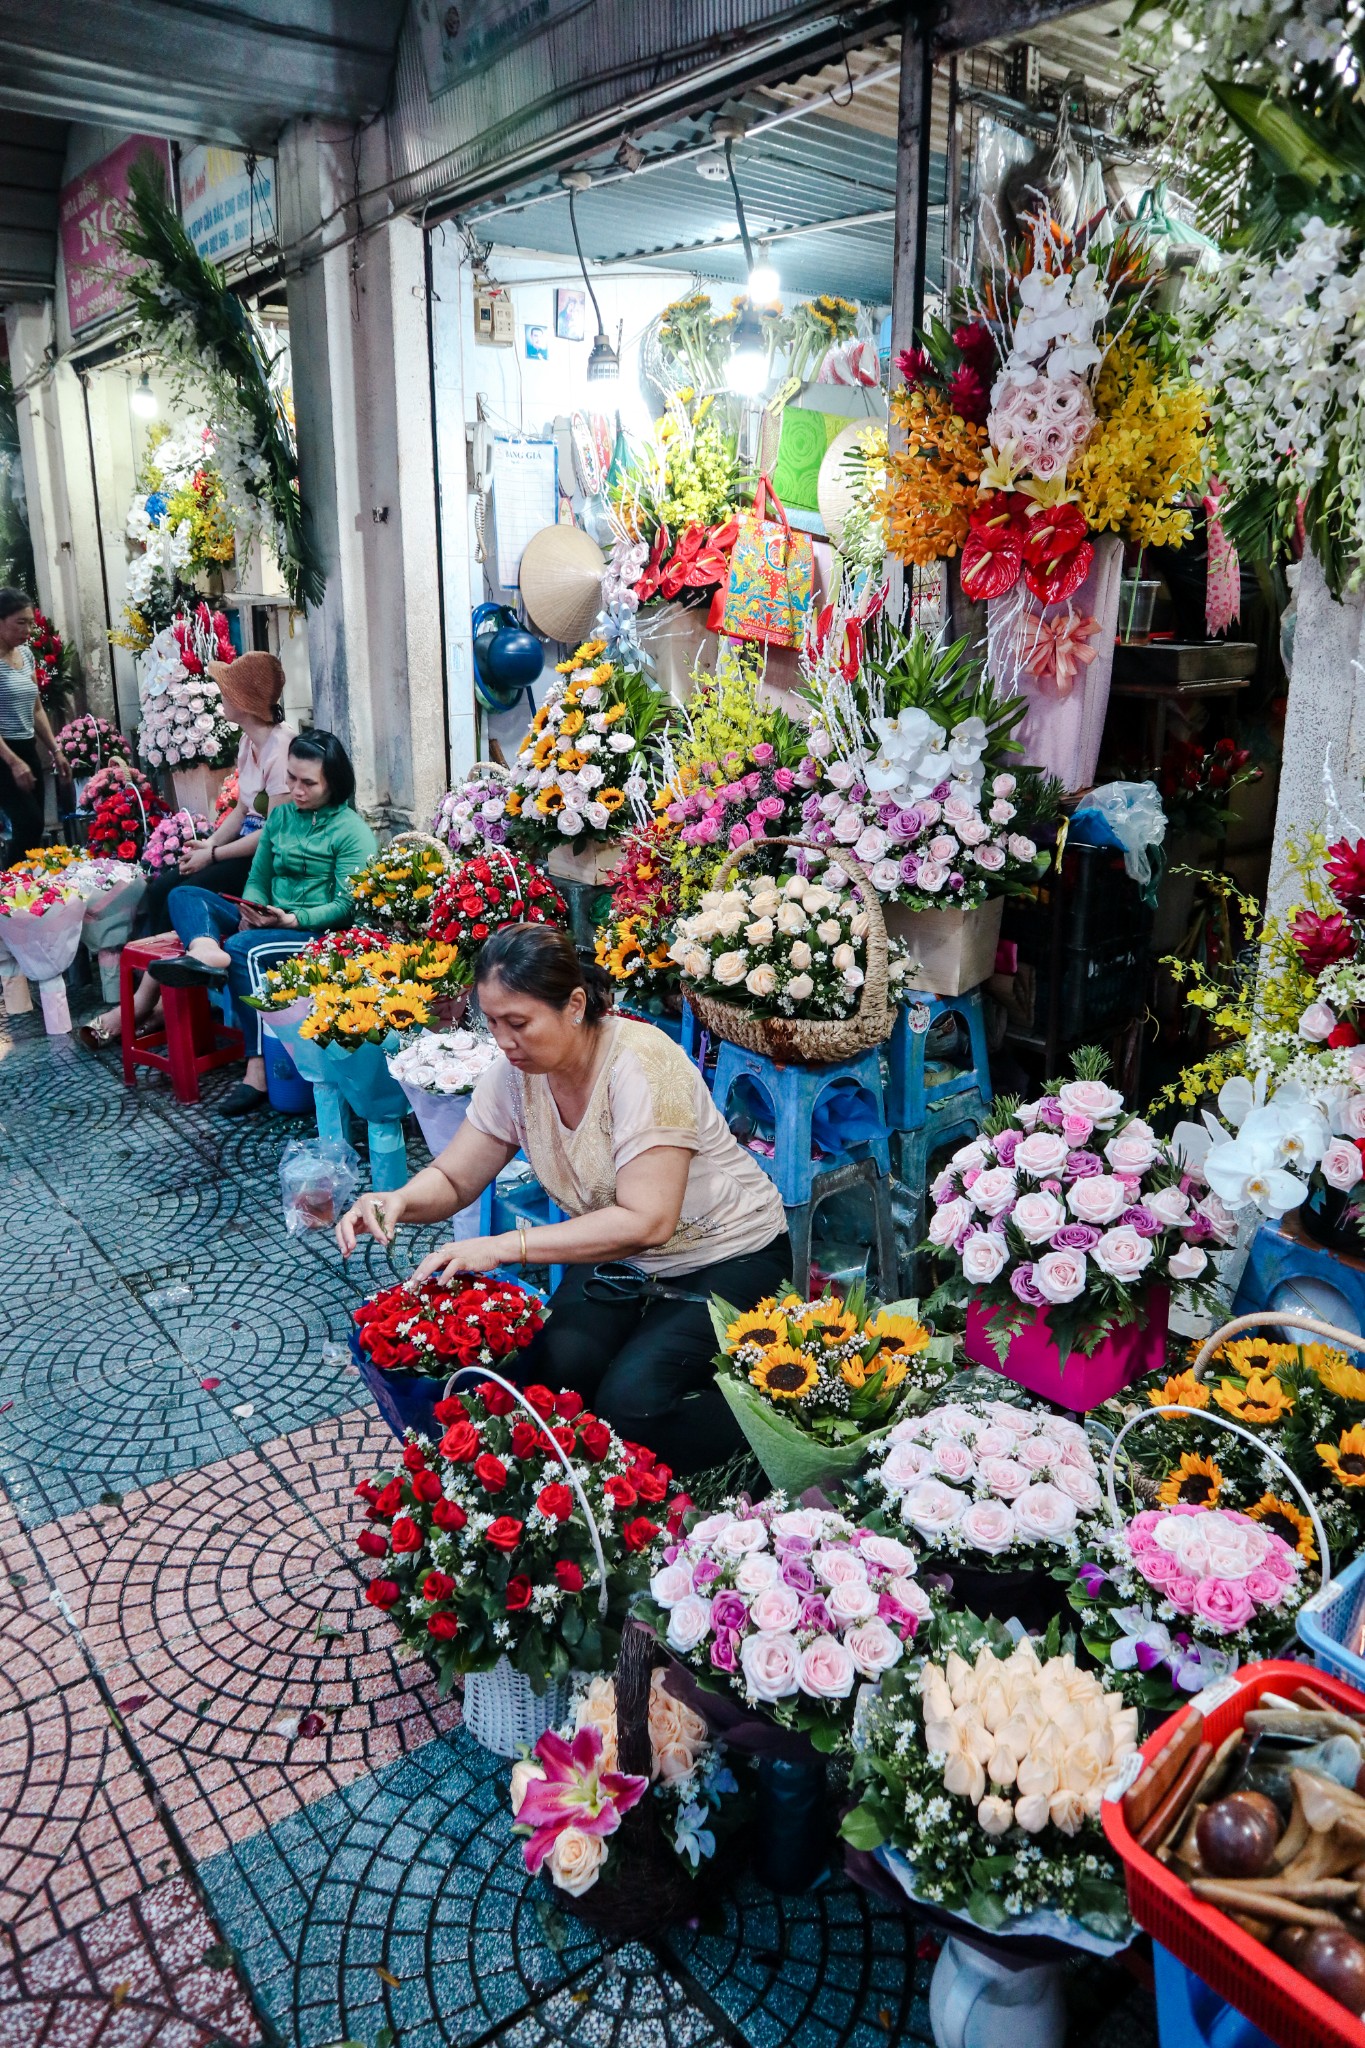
column 991, row 563
column 1057, row 553
column 1345, row 865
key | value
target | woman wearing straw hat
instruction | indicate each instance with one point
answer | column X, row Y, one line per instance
column 623, row 1135
column 251, row 689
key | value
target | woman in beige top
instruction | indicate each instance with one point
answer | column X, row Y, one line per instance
column 623, row 1136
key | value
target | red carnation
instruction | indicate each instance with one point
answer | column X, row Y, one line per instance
column 568, row 1404
column 406, row 1535
column 490, row 1472
column 1322, row 940
column 504, row 1533
column 569, row 1576
column 437, row 1586
column 443, row 1626
column 448, row 1515
column 541, row 1399
column 383, row 1593
column 426, row 1487
column 372, row 1543
column 621, row 1493
column 460, row 1442
column 556, row 1501
column 389, row 1498
column 639, row 1534
column 518, row 1593
column 1345, row 866
column 495, row 1399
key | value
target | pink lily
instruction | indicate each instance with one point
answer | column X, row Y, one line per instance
column 575, row 1792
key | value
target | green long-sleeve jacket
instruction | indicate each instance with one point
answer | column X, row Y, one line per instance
column 303, row 859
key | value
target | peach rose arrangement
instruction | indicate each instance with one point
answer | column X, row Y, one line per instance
column 995, row 1484
column 1069, row 1206
column 689, row 1779
column 787, row 1609
column 979, row 1783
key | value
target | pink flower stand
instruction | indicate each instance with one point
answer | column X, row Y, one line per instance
column 1080, row 1383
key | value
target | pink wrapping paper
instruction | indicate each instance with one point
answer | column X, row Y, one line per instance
column 1083, row 1382
column 1062, row 734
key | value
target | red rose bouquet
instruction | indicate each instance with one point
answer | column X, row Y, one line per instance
column 492, row 890
column 483, row 1547
column 123, row 820
column 433, row 1331
column 48, row 652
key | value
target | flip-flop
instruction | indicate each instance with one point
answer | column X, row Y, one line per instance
column 244, row 1100
column 94, row 1039
column 185, row 972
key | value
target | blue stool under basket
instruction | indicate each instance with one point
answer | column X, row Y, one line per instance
column 915, row 1083
column 794, row 1093
column 1189, row 2015
column 954, row 1121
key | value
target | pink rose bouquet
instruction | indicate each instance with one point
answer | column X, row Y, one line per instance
column 787, row 1609
column 168, row 839
column 996, row 1485
column 1069, row 1206
column 1180, row 1596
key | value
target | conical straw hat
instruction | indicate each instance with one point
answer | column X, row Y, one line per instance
column 561, row 582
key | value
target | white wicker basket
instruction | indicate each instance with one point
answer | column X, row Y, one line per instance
column 503, row 1712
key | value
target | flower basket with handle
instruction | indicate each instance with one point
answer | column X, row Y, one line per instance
column 425, row 839
column 817, row 1041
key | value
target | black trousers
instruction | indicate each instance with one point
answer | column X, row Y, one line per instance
column 23, row 807
column 647, row 1367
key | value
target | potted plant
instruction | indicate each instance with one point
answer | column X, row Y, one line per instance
column 508, row 1550
column 1064, row 1227
column 815, row 1385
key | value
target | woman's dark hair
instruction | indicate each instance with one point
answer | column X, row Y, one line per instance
column 536, row 960
column 336, row 762
column 12, row 601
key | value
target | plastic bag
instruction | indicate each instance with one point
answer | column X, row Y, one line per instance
column 1124, row 814
column 317, row 1179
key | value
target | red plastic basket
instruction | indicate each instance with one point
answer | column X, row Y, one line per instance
column 1289, row 2009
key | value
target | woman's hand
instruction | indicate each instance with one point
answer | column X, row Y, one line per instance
column 60, row 766
column 469, row 1255
column 24, row 778
column 375, row 1216
column 195, row 859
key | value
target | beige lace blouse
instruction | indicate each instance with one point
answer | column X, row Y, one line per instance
column 647, row 1094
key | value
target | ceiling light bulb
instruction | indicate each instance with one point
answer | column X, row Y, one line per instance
column 764, row 282
column 143, row 398
column 747, row 370
column 603, row 364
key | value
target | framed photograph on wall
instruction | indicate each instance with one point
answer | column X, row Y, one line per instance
column 571, row 314
column 537, row 342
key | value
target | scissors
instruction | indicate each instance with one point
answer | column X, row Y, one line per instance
column 616, row 1282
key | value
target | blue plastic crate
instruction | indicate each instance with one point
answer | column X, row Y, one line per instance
column 1332, row 1625
column 1189, row 2015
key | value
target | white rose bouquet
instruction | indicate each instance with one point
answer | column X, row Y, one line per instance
column 981, row 1784
column 443, row 1062
column 1066, row 1205
column 784, row 947
column 788, row 1609
column 997, row 1485
column 580, row 772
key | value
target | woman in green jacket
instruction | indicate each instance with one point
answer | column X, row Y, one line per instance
column 297, row 887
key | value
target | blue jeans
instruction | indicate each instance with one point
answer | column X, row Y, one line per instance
column 199, row 914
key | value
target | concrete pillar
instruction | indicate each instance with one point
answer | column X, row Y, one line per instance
column 1326, row 711
column 358, row 342
column 452, row 319
column 63, row 516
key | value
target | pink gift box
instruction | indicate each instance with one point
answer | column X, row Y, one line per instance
column 1033, row 1362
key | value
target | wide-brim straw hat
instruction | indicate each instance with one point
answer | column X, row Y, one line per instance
column 834, row 488
column 251, row 686
column 561, row 582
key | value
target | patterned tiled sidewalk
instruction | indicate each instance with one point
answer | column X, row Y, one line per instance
column 228, row 1812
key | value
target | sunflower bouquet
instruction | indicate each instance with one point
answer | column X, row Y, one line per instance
column 398, row 886
column 634, row 945
column 585, row 755
column 360, row 993
column 1306, row 1402
column 814, row 1383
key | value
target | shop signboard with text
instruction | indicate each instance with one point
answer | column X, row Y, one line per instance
column 227, row 201
column 92, row 210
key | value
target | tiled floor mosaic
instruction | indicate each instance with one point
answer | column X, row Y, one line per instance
column 228, row 1811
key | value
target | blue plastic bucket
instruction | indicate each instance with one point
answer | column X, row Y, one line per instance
column 286, row 1087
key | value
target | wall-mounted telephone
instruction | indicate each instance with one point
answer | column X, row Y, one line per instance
column 480, row 458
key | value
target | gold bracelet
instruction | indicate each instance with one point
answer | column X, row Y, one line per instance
column 521, row 1239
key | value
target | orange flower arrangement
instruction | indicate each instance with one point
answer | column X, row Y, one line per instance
column 931, row 482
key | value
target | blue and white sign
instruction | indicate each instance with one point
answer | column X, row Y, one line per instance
column 226, row 211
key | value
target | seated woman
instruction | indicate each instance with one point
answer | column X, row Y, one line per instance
column 297, row 887
column 623, row 1135
column 251, row 688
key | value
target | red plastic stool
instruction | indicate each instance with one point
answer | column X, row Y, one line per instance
column 192, row 1043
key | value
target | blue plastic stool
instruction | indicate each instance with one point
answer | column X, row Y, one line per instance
column 794, row 1093
column 916, row 1084
column 698, row 1044
column 1189, row 2015
column 526, row 1202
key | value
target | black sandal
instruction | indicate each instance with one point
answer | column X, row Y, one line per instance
column 186, row 972
column 244, row 1100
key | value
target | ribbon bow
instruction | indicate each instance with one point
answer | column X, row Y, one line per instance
column 1057, row 650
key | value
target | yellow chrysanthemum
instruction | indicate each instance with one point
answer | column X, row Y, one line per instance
column 1196, row 1481
column 1181, row 1390
column 1261, row 1402
column 1282, row 1518
column 1335, row 1372
column 1345, row 1459
column 785, row 1375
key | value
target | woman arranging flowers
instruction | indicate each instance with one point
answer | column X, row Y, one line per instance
column 24, row 728
column 303, row 854
column 622, row 1133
